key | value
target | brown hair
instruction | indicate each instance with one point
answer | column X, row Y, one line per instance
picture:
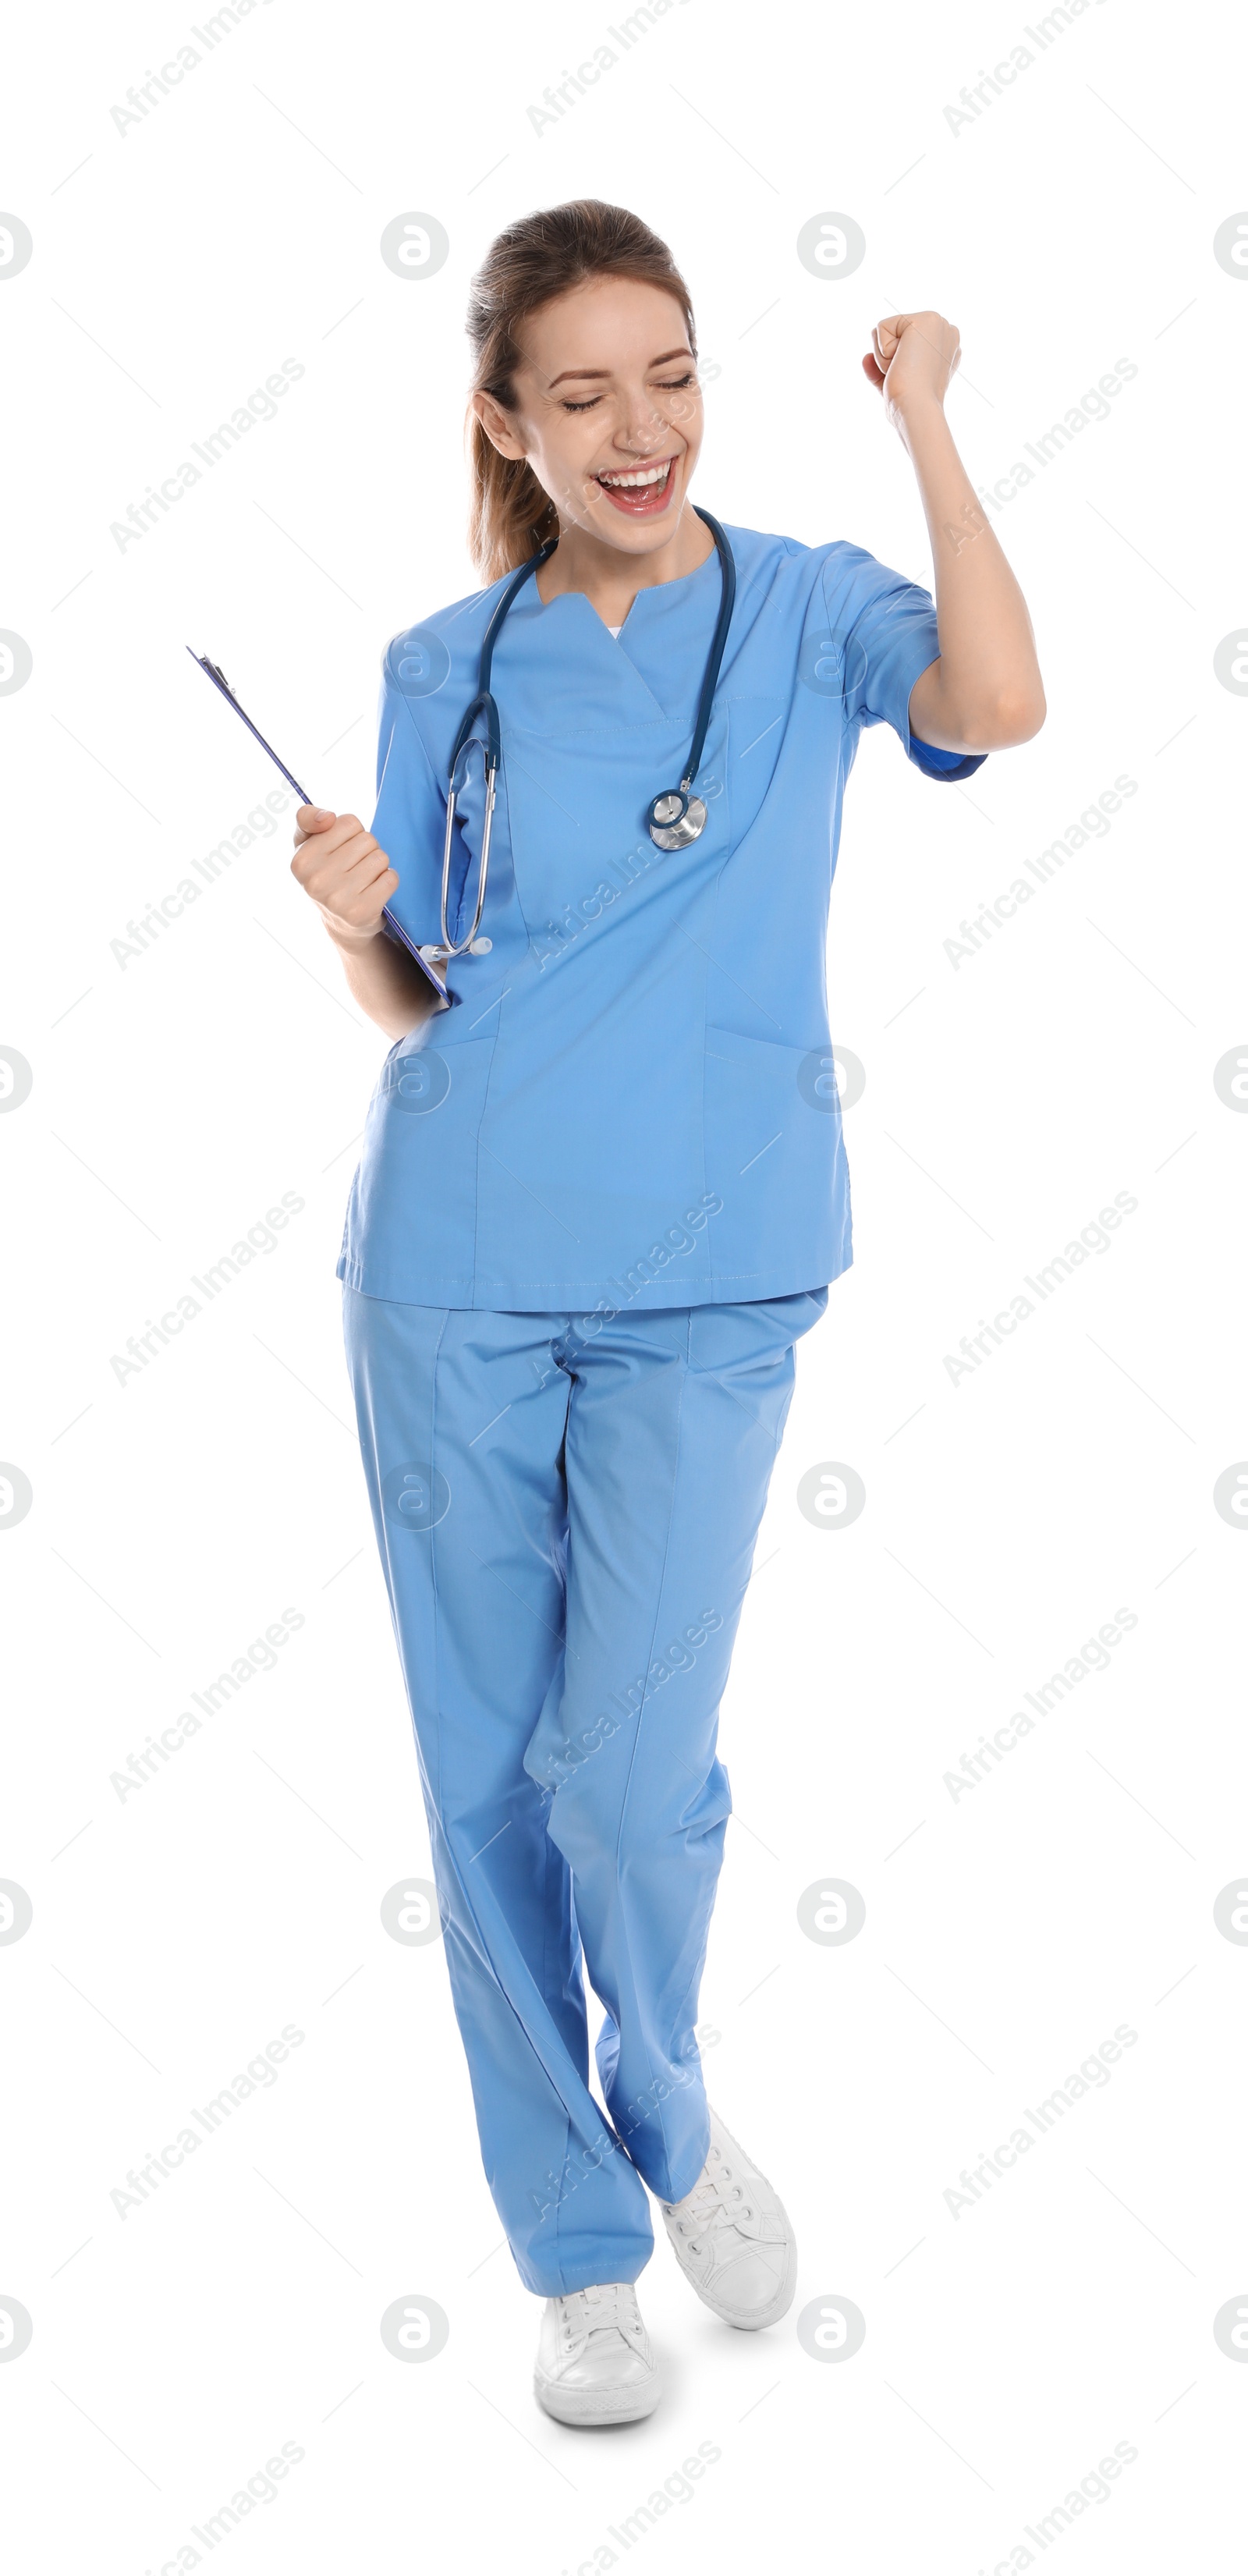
column 534, row 260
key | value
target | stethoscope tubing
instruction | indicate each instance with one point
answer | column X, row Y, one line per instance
column 714, row 659
column 484, row 705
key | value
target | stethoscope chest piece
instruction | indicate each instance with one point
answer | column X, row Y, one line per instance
column 675, row 818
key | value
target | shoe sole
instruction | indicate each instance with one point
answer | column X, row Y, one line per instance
column 591, row 2407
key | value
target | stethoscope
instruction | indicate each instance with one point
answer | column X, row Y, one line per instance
column 673, row 818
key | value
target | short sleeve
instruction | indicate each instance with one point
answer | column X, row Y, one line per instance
column 884, row 632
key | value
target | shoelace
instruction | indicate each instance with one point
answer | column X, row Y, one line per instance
column 608, row 2309
column 716, row 2201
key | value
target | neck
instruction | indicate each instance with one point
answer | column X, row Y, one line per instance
column 611, row 578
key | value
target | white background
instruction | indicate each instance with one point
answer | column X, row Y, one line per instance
column 178, row 1095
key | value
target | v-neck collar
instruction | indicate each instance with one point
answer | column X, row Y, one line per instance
column 682, row 581
column 655, row 663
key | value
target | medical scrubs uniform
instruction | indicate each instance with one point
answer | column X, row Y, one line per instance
column 599, row 1201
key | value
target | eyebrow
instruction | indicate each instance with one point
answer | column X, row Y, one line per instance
column 585, row 372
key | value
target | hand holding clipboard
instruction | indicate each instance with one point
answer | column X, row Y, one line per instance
column 318, row 819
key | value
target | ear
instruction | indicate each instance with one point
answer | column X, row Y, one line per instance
column 499, row 425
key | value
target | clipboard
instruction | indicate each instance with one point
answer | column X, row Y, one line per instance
column 393, row 927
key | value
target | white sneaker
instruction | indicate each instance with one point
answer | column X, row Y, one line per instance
column 732, row 2238
column 595, row 2363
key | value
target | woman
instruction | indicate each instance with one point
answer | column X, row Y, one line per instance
column 602, row 1195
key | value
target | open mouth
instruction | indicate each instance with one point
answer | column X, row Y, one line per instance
column 640, row 490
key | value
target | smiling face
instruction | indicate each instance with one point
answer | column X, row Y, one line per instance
column 609, row 412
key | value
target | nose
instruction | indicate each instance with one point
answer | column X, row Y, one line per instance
column 644, row 431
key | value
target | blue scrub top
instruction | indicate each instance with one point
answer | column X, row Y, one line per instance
column 632, row 1100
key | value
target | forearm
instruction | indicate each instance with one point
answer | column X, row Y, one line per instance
column 985, row 692
column 387, row 984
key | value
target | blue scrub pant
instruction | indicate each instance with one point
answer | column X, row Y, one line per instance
column 566, row 1518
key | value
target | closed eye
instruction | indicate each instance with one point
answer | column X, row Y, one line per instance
column 671, row 385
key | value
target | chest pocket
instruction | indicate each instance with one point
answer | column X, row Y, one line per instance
column 576, row 813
